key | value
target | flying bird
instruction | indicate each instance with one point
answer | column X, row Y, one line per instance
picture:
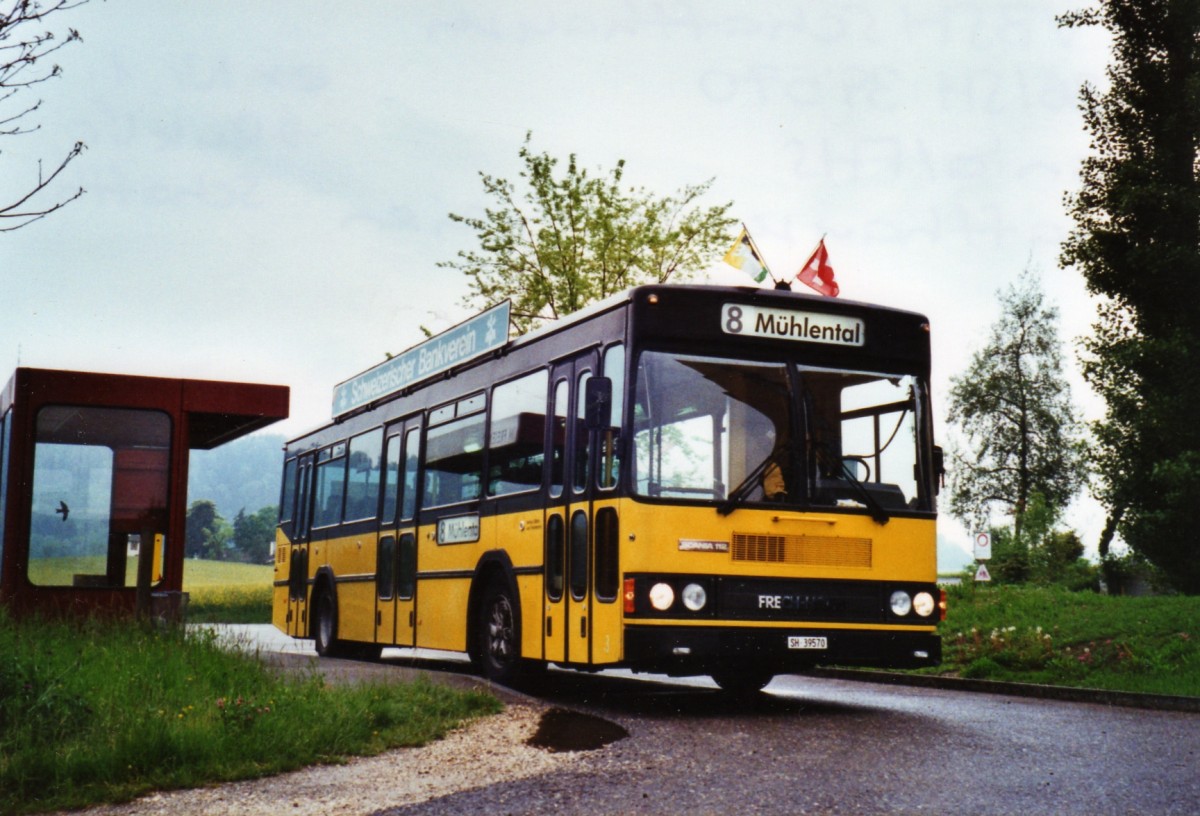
column 63, row 510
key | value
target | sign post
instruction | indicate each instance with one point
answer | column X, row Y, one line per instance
column 983, row 552
column 983, row 547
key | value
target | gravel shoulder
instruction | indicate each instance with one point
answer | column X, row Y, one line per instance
column 485, row 752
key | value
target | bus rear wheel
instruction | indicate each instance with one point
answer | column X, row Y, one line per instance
column 325, row 624
column 325, row 628
column 499, row 637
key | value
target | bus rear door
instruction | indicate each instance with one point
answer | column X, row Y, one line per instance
column 396, row 567
column 298, row 572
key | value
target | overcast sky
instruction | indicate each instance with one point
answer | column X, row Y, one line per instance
column 268, row 182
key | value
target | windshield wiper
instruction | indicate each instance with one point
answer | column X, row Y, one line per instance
column 739, row 493
column 754, row 478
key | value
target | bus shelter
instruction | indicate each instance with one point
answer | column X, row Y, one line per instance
column 93, row 483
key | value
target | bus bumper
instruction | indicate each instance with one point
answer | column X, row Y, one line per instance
column 686, row 650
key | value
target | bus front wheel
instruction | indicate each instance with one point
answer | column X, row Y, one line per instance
column 498, row 635
column 746, row 680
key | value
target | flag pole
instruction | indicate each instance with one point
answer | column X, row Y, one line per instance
column 759, row 253
column 817, row 247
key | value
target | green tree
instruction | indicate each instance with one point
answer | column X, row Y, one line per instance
column 25, row 48
column 1040, row 553
column 1010, row 557
column 253, row 534
column 1136, row 241
column 1014, row 409
column 206, row 533
column 560, row 243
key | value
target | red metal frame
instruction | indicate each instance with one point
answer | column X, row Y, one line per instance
column 203, row 413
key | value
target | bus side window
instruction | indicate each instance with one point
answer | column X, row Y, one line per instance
column 331, row 486
column 555, row 557
column 391, row 479
column 517, row 439
column 365, row 470
column 287, row 498
column 408, row 501
column 558, row 438
column 582, row 464
column 610, row 439
column 385, row 567
column 454, row 457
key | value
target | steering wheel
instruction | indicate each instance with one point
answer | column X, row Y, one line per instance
column 859, row 460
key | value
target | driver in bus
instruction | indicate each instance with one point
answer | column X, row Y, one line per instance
column 773, row 485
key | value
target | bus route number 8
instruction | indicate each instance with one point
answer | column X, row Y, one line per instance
column 733, row 319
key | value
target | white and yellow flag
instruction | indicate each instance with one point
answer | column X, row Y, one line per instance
column 745, row 257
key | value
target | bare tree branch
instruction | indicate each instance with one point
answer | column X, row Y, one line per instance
column 8, row 211
column 23, row 65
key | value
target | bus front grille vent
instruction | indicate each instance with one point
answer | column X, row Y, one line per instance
column 813, row 551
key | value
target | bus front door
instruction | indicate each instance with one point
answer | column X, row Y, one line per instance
column 567, row 633
column 396, row 565
column 298, row 571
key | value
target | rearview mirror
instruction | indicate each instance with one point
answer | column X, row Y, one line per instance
column 597, row 403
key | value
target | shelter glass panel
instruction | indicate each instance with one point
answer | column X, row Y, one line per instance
column 100, row 478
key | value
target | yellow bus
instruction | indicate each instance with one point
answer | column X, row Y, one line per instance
column 685, row 480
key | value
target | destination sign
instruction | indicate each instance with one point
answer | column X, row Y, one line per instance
column 786, row 324
column 458, row 529
column 467, row 340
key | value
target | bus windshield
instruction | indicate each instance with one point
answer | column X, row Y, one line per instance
column 742, row 431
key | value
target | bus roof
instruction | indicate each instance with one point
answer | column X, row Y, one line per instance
column 392, row 381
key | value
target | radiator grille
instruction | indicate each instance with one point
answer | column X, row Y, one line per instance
column 813, row 551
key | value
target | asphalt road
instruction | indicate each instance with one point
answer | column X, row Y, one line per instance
column 817, row 745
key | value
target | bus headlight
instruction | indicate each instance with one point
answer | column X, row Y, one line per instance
column 901, row 604
column 923, row 604
column 694, row 597
column 662, row 596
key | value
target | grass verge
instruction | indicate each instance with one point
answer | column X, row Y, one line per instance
column 104, row 712
column 1052, row 636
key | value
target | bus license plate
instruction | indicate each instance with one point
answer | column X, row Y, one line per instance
column 808, row 642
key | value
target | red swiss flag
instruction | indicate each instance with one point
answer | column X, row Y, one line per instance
column 818, row 274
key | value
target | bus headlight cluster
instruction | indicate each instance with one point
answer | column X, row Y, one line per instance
column 923, row 604
column 694, row 597
column 666, row 594
column 662, row 597
column 901, row 603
